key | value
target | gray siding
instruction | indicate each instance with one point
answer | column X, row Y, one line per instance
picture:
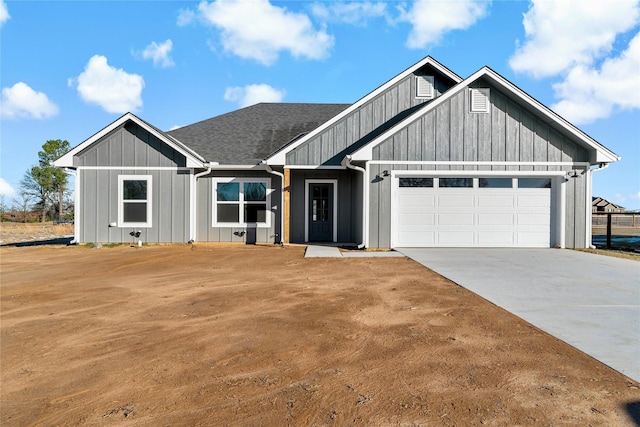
column 99, row 206
column 509, row 133
column 205, row 232
column 130, row 145
column 365, row 123
column 349, row 203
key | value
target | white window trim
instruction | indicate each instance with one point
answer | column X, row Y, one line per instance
column 241, row 181
column 431, row 87
column 306, row 205
column 149, row 201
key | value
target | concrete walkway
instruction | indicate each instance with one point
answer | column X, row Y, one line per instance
column 320, row 251
column 590, row 301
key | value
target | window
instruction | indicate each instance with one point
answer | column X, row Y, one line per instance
column 456, row 182
column 495, row 182
column 416, row 182
column 134, row 200
column 479, row 100
column 424, row 87
column 238, row 202
column 534, row 183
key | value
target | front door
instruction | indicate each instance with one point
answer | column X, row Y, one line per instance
column 320, row 212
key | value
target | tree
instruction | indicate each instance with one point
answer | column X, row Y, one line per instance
column 22, row 203
column 45, row 181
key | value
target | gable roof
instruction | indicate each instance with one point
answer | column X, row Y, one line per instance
column 278, row 157
column 193, row 158
column 248, row 135
column 602, row 154
column 599, row 201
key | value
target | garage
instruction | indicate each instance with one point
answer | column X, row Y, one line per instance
column 472, row 212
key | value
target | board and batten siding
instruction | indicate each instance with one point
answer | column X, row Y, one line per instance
column 362, row 125
column 206, row 232
column 129, row 145
column 99, row 206
column 508, row 133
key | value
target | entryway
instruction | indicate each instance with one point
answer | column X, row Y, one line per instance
column 320, row 209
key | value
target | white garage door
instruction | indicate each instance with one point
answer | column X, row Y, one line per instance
column 472, row 212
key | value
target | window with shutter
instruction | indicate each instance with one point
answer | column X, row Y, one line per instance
column 424, row 87
column 479, row 100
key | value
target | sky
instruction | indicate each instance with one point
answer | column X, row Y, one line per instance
column 70, row 68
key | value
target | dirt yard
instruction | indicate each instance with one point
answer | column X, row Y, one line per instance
column 254, row 335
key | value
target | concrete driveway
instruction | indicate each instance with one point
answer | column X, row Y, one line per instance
column 592, row 302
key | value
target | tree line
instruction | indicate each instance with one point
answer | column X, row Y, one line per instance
column 43, row 187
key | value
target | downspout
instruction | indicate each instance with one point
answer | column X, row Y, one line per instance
column 601, row 166
column 194, row 205
column 281, row 175
column 76, row 205
column 347, row 162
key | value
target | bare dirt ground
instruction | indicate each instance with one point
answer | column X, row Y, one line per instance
column 255, row 335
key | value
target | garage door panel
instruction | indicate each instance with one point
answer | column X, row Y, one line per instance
column 495, row 219
column 493, row 201
column 413, row 239
column 455, row 219
column 415, row 198
column 532, row 239
column 455, row 238
column 495, row 238
column 533, row 219
column 413, row 219
column 532, row 200
column 455, row 200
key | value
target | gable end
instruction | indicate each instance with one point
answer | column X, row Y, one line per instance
column 129, row 145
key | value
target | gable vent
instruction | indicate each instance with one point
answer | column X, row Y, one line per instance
column 424, row 87
column 480, row 100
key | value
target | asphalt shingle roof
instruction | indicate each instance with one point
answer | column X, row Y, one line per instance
column 248, row 135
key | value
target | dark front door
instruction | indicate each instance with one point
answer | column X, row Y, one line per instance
column 320, row 212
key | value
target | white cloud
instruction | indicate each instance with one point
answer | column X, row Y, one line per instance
column 186, row 17
column 635, row 196
column 159, row 53
column 113, row 89
column 253, row 94
column 432, row 19
column 20, row 101
column 587, row 93
column 260, row 31
column 355, row 13
column 562, row 34
column 4, row 13
column 6, row 189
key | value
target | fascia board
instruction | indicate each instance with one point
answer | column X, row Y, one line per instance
column 193, row 159
column 603, row 155
column 280, row 157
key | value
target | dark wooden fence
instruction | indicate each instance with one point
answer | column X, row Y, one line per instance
column 611, row 224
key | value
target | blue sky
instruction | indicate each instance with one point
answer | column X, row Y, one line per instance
column 69, row 68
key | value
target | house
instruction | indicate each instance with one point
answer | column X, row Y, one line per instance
column 426, row 159
column 600, row 205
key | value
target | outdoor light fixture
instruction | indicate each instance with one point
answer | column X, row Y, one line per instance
column 573, row 174
column 385, row 173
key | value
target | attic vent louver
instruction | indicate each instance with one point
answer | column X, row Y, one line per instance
column 424, row 87
column 480, row 100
